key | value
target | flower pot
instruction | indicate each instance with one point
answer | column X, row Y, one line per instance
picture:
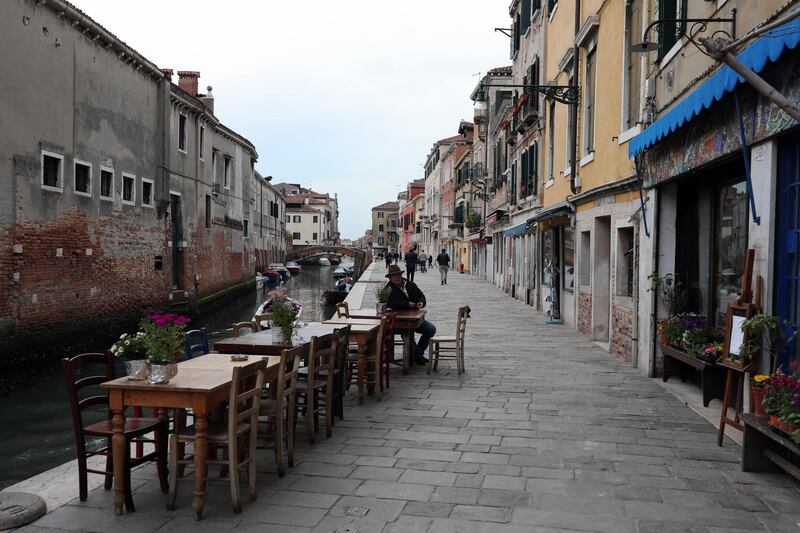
column 136, row 369
column 161, row 373
column 757, row 400
column 280, row 337
column 380, row 308
column 773, row 419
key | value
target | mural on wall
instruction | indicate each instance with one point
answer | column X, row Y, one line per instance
column 715, row 132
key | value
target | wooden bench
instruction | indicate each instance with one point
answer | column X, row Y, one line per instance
column 766, row 450
column 712, row 376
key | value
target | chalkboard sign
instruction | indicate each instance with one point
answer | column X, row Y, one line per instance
column 735, row 338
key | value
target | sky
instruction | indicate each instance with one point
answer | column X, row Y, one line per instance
column 344, row 96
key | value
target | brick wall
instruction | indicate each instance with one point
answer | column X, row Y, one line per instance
column 621, row 331
column 585, row 313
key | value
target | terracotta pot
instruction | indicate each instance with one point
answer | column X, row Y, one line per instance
column 757, row 401
column 773, row 419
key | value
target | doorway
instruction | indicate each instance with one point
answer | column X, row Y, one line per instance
column 601, row 279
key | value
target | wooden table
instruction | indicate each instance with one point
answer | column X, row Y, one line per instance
column 201, row 384
column 364, row 340
column 407, row 322
column 261, row 342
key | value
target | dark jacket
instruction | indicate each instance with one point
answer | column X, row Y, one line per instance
column 443, row 259
column 398, row 301
column 411, row 258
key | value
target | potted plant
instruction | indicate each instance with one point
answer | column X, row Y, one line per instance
column 670, row 291
column 758, row 388
column 382, row 296
column 779, row 395
column 163, row 333
column 763, row 332
column 284, row 317
column 131, row 348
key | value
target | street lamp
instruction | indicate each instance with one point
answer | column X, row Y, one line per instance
column 698, row 26
column 566, row 94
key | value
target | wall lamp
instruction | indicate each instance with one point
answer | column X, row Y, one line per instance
column 698, row 26
column 566, row 94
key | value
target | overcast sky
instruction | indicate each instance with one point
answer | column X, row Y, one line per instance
column 345, row 96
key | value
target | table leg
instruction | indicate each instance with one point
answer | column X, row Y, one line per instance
column 363, row 346
column 118, row 450
column 200, row 456
column 362, row 367
column 407, row 350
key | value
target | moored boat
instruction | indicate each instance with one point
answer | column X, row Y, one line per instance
column 324, row 261
column 293, row 267
column 269, row 277
column 334, row 259
column 280, row 269
column 266, row 307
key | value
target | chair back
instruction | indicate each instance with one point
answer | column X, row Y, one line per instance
column 343, row 310
column 258, row 319
column 386, row 335
column 287, row 376
column 245, row 398
column 242, row 328
column 196, row 342
column 75, row 381
column 321, row 352
column 461, row 326
column 340, row 358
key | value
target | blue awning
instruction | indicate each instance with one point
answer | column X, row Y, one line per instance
column 768, row 47
column 516, row 230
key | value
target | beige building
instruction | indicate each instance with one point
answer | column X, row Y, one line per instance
column 385, row 233
column 305, row 225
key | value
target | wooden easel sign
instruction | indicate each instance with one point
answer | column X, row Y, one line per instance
column 735, row 338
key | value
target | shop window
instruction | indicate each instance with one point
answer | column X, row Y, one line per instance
column 568, row 254
column 586, row 258
column 624, row 265
column 731, row 239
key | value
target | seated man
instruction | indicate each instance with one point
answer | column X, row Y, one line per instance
column 406, row 295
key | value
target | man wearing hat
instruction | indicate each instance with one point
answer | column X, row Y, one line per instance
column 406, row 295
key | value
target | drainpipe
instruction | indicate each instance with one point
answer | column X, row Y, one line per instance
column 573, row 108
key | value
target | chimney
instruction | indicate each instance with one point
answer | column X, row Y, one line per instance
column 187, row 80
column 168, row 72
column 208, row 100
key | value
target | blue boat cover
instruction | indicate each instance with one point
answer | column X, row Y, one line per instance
column 516, row 230
column 767, row 47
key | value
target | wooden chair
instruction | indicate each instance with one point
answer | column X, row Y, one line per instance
column 258, row 319
column 135, row 428
column 342, row 310
column 242, row 328
column 279, row 411
column 340, row 363
column 386, row 344
column 196, row 342
column 371, row 361
column 243, row 408
column 453, row 346
column 318, row 381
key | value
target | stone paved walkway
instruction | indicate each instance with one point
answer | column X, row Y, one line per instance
column 546, row 432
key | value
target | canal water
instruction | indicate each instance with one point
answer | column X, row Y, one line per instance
column 35, row 423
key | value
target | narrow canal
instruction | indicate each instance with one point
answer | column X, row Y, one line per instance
column 35, row 424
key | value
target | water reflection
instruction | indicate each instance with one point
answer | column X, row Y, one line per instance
column 35, row 424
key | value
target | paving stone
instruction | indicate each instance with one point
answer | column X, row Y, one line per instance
column 409, row 524
column 429, row 478
column 326, row 485
column 399, row 491
column 469, row 480
column 288, row 515
column 376, row 473
column 464, row 496
column 504, row 482
column 371, row 508
column 428, row 455
column 429, row 509
column 505, row 498
column 321, row 469
column 481, row 513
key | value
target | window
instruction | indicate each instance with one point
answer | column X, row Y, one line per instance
column 226, row 175
column 202, row 141
column 182, row 132
column 568, row 254
column 106, row 183
column 668, row 33
column 380, row 240
column 52, row 170
column 83, row 178
column 588, row 106
column 633, row 62
column 551, row 6
column 208, row 211
column 551, row 139
column 316, row 219
column 380, row 214
column 380, row 227
column 314, row 236
column 586, row 258
column 214, row 166
column 245, row 228
column 526, row 16
column 624, row 267
column 128, row 189
column 147, row 192
column 288, row 218
column 731, row 241
column 296, row 219
column 529, row 171
column 296, row 236
column 569, row 150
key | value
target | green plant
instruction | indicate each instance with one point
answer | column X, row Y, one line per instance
column 283, row 314
column 162, row 334
column 472, row 220
column 670, row 292
column 768, row 328
column 780, row 393
column 130, row 347
column 382, row 294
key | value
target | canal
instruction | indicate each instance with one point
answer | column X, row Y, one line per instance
column 35, row 422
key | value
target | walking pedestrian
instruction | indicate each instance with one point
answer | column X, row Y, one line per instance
column 388, row 259
column 430, row 261
column 422, row 260
column 396, row 258
column 411, row 263
column 443, row 260
column 406, row 295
